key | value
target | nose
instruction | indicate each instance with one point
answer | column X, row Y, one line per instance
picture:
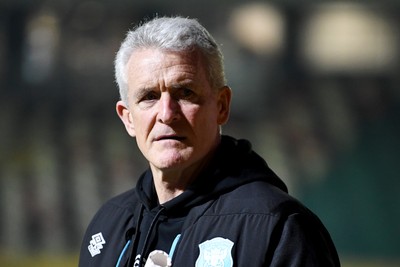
column 169, row 109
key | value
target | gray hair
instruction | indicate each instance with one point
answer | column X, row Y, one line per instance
column 170, row 34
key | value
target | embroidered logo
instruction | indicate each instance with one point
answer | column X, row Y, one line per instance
column 96, row 244
column 215, row 253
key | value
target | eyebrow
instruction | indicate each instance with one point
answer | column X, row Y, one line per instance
column 143, row 91
column 182, row 84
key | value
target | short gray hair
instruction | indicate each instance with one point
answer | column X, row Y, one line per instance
column 170, row 34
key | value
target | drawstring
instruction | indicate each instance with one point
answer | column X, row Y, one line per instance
column 132, row 232
column 173, row 247
column 153, row 223
column 123, row 252
column 133, row 243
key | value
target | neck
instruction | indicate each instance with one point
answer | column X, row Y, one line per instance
column 171, row 183
column 165, row 192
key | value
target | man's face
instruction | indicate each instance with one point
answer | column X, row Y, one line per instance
column 172, row 110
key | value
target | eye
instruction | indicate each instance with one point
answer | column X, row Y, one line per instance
column 149, row 96
column 186, row 93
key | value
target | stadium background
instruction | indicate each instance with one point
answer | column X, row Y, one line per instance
column 316, row 88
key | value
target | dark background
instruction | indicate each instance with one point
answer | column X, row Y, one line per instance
column 315, row 88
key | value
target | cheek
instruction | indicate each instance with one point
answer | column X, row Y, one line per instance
column 197, row 117
column 142, row 125
column 191, row 114
column 203, row 119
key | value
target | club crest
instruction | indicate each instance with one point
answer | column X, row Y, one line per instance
column 215, row 253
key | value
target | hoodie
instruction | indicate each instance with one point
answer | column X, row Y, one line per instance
column 236, row 213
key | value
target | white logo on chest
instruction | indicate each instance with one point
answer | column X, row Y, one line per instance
column 96, row 244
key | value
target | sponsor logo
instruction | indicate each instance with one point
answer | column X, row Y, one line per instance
column 137, row 260
column 215, row 253
column 96, row 244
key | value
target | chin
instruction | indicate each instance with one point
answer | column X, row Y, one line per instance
column 168, row 162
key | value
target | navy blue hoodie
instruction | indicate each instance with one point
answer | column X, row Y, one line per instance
column 236, row 213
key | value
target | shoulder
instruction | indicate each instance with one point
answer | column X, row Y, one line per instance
column 263, row 206
column 108, row 226
column 123, row 200
column 122, row 203
column 116, row 211
column 259, row 197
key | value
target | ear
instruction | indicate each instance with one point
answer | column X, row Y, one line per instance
column 126, row 116
column 224, row 104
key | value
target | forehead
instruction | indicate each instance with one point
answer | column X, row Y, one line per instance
column 149, row 65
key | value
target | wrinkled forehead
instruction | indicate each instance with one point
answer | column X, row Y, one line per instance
column 150, row 65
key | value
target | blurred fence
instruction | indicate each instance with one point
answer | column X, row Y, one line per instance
column 316, row 89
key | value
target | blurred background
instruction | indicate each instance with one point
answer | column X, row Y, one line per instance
column 316, row 89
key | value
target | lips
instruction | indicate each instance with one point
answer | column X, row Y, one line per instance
column 170, row 137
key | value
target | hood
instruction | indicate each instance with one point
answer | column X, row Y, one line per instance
column 234, row 164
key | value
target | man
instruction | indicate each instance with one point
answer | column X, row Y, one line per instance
column 206, row 199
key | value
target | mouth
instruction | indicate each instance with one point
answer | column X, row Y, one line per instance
column 170, row 137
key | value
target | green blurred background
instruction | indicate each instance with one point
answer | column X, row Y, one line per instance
column 316, row 89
